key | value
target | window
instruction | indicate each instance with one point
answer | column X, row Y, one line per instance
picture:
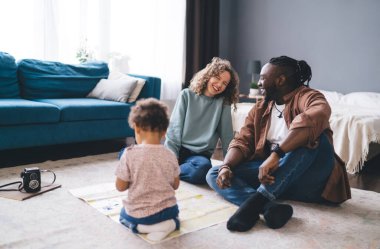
column 140, row 37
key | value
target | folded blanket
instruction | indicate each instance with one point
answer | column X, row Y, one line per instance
column 354, row 129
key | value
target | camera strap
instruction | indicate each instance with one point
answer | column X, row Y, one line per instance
column 48, row 170
column 20, row 186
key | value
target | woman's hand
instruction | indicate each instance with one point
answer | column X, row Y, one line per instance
column 267, row 168
column 224, row 177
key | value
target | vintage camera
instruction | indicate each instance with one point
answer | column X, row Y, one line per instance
column 31, row 179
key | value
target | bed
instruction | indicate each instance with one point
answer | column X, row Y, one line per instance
column 355, row 121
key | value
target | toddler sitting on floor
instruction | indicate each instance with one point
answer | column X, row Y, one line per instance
column 150, row 172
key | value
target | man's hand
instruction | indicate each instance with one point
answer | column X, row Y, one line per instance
column 224, row 177
column 269, row 166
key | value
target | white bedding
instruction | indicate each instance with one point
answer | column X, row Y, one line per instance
column 355, row 121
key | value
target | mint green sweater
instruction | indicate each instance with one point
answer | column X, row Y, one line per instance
column 196, row 123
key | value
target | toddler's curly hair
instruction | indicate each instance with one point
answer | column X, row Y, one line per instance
column 217, row 65
column 150, row 115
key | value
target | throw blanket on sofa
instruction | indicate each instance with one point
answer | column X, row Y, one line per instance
column 355, row 121
column 354, row 129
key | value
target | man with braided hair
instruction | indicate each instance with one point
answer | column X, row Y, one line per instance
column 283, row 151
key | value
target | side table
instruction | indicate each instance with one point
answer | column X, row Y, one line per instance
column 239, row 115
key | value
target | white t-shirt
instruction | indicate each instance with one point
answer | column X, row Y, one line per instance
column 278, row 130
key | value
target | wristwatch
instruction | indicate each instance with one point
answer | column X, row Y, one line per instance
column 276, row 149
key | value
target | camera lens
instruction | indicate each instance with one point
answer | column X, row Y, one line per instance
column 33, row 176
column 33, row 184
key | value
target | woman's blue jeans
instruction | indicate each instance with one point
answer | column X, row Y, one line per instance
column 194, row 169
column 301, row 176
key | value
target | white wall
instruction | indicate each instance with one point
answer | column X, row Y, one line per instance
column 340, row 39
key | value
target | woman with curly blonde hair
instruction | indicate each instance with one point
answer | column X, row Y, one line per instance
column 202, row 116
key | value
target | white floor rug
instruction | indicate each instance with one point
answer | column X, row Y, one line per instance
column 197, row 211
column 57, row 219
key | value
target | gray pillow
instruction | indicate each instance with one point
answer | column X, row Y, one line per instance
column 115, row 90
column 136, row 92
column 114, row 75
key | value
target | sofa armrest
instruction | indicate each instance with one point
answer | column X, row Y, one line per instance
column 152, row 87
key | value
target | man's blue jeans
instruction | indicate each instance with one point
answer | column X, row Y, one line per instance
column 301, row 176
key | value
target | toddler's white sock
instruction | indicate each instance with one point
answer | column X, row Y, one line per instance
column 158, row 231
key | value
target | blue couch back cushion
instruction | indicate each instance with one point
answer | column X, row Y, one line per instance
column 8, row 77
column 48, row 79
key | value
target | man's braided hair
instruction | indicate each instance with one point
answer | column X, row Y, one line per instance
column 299, row 70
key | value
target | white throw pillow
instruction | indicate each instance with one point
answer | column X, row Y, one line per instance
column 362, row 99
column 138, row 88
column 115, row 90
column 331, row 96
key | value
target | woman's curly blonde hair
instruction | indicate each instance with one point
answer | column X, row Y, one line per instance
column 217, row 66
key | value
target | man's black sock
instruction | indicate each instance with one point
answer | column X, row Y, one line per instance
column 277, row 215
column 247, row 214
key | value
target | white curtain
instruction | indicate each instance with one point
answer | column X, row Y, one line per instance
column 140, row 37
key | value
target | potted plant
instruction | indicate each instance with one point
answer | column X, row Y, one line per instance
column 83, row 53
column 254, row 89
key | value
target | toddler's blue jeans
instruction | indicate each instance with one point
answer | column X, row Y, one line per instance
column 166, row 214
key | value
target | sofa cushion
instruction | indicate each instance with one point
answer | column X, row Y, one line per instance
column 21, row 111
column 48, row 79
column 8, row 77
column 79, row 109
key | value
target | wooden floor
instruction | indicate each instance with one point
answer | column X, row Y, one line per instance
column 367, row 179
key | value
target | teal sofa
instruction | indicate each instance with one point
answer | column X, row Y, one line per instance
column 44, row 103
